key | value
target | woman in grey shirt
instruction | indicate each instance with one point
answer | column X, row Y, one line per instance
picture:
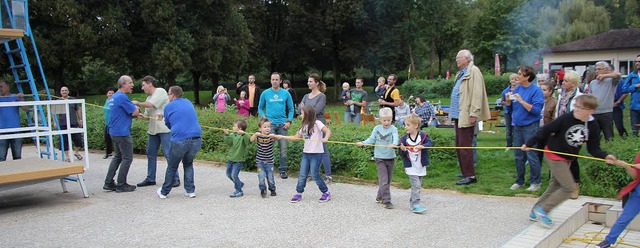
column 318, row 100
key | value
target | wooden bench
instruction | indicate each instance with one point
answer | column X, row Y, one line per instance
column 23, row 172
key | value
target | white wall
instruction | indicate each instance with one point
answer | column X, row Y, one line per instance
column 612, row 55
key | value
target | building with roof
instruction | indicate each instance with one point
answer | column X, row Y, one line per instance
column 620, row 47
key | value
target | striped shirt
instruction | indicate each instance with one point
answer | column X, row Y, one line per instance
column 264, row 153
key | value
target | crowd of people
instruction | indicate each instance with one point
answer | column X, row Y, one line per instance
column 539, row 121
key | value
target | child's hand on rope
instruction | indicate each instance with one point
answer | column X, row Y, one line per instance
column 610, row 159
column 402, row 147
column 359, row 144
column 524, row 147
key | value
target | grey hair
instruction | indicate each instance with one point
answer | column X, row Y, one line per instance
column 605, row 64
column 122, row 80
column 467, row 54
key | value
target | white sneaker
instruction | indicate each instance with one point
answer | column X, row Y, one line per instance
column 515, row 186
column 159, row 191
column 190, row 195
column 534, row 187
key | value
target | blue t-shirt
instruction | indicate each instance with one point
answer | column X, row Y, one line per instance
column 180, row 116
column 532, row 95
column 278, row 104
column 121, row 109
column 105, row 111
column 619, row 94
column 10, row 115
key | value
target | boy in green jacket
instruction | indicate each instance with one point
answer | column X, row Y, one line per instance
column 238, row 141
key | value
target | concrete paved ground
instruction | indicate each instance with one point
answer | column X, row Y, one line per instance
column 42, row 216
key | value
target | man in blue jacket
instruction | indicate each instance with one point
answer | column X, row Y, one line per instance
column 632, row 85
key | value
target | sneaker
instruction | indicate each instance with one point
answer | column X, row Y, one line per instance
column 419, row 209
column 515, row 186
column 283, row 175
column 125, row 188
column 326, row 196
column 273, row 192
column 388, row 205
column 296, row 198
column 328, row 180
column 604, row 244
column 236, row 194
column 159, row 192
column 542, row 217
column 263, row 193
column 190, row 195
column 534, row 187
column 109, row 186
column 533, row 216
column 378, row 200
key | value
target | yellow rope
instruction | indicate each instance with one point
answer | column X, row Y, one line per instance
column 395, row 146
column 594, row 238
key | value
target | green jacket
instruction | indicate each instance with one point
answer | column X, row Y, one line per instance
column 238, row 144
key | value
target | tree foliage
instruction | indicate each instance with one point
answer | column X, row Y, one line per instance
column 221, row 41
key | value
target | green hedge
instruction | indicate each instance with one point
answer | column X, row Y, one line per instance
column 437, row 88
column 348, row 160
column 605, row 179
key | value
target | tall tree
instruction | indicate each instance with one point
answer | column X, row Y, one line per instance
column 488, row 28
column 221, row 40
column 63, row 35
column 572, row 20
column 331, row 31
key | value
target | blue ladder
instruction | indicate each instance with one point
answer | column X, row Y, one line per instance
column 17, row 11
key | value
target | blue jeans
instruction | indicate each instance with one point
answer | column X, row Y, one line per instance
column 629, row 211
column 185, row 151
column 153, row 144
column 16, row 148
column 122, row 159
column 433, row 123
column 355, row 118
column 233, row 172
column 520, row 135
column 265, row 171
column 508, row 129
column 326, row 160
column 310, row 164
column 635, row 119
column 282, row 144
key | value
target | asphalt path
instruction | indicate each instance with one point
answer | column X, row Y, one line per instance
column 42, row 216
